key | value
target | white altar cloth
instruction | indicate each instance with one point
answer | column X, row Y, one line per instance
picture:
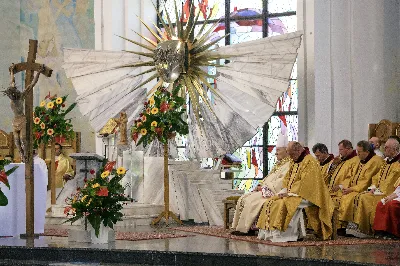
column 12, row 216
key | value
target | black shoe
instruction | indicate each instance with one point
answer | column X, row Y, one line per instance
column 249, row 233
column 341, row 232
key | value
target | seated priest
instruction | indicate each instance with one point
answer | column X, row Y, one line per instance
column 387, row 217
column 370, row 165
column 376, row 144
column 383, row 184
column 281, row 218
column 325, row 159
column 64, row 171
column 250, row 204
column 343, row 167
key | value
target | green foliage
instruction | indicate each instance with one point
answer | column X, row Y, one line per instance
column 4, row 179
column 100, row 200
column 161, row 118
column 49, row 121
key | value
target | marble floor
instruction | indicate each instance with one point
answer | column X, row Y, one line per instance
column 364, row 254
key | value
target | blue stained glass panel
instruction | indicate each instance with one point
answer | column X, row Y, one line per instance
column 281, row 25
column 245, row 30
column 248, row 4
column 248, row 185
column 252, row 162
column 281, row 6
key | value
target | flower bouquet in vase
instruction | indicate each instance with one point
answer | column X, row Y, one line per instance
column 161, row 119
column 99, row 203
column 50, row 126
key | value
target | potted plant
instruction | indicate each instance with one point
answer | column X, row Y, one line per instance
column 161, row 119
column 99, row 202
column 4, row 179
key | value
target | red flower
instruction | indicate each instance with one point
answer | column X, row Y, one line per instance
column 92, row 171
column 103, row 192
column 158, row 130
column 135, row 136
column 85, row 180
column 164, row 107
column 109, row 166
column 3, row 178
column 38, row 135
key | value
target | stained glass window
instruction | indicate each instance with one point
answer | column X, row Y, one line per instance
column 249, row 20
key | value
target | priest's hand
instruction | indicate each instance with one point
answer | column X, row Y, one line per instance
column 335, row 188
column 337, row 160
column 347, row 191
column 282, row 195
column 67, row 178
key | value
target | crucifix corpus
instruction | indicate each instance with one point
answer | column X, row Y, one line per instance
column 23, row 134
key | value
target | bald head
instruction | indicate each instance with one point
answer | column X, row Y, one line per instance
column 375, row 141
column 295, row 149
column 392, row 147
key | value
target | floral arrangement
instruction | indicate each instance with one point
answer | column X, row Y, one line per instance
column 4, row 179
column 49, row 122
column 100, row 200
column 161, row 118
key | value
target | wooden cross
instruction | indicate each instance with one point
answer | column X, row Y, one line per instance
column 29, row 67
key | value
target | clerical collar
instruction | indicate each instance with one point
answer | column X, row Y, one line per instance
column 370, row 155
column 302, row 155
column 327, row 160
column 394, row 159
column 353, row 154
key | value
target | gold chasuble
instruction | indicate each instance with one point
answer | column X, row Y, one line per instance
column 324, row 166
column 63, row 166
column 303, row 181
column 249, row 205
column 384, row 183
column 341, row 174
column 358, row 183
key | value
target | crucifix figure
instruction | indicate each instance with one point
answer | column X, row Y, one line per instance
column 17, row 105
column 26, row 98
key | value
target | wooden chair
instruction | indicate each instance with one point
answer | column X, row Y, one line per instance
column 229, row 203
column 383, row 130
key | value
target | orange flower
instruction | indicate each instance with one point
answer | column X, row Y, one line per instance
column 42, row 126
column 144, row 118
column 50, row 132
column 36, row 120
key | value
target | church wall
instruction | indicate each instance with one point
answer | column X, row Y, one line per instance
column 350, row 74
column 56, row 25
column 121, row 17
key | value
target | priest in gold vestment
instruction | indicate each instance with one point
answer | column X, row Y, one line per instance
column 383, row 184
column 369, row 166
column 342, row 169
column 325, row 159
column 250, row 204
column 281, row 218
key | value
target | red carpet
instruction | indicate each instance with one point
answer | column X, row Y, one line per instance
column 221, row 232
column 129, row 236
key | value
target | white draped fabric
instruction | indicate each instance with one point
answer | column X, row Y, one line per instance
column 249, row 86
column 12, row 216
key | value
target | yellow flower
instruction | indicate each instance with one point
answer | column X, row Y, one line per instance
column 50, row 132
column 42, row 104
column 90, row 201
column 105, row 174
column 59, row 100
column 154, row 123
column 121, row 171
column 143, row 131
column 42, row 125
column 50, row 105
column 154, row 110
column 36, row 120
column 83, row 198
column 151, row 101
column 96, row 185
